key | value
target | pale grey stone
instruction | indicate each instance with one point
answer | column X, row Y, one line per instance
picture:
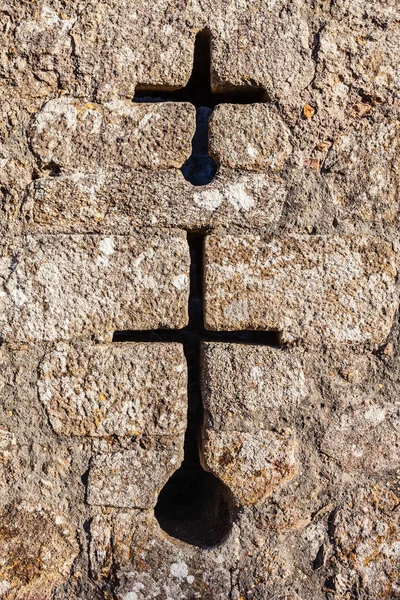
column 252, row 137
column 367, row 532
column 247, row 387
column 265, row 44
column 134, row 478
column 362, row 169
column 126, row 539
column 116, row 202
column 364, row 438
column 102, row 51
column 251, row 464
column 82, row 287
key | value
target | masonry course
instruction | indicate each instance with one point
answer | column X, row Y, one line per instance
column 272, row 428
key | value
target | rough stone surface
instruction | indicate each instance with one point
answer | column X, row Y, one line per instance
column 246, row 42
column 119, row 389
column 79, row 203
column 362, row 169
column 134, row 478
column 261, row 142
column 302, row 224
column 367, row 533
column 346, row 285
column 75, row 136
column 245, row 443
column 88, row 286
column 36, row 552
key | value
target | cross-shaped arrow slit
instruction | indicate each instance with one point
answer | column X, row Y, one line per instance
column 200, row 168
column 195, row 506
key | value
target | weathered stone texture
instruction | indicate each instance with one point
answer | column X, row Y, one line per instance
column 36, row 467
column 88, row 286
column 105, row 50
column 266, row 44
column 121, row 201
column 134, row 478
column 259, row 141
column 352, row 434
column 36, row 552
column 367, row 533
column 120, row 389
column 317, row 288
column 84, row 137
column 302, row 233
column 248, row 387
column 17, row 164
column 362, row 169
column 149, row 562
column 251, row 465
column 246, row 392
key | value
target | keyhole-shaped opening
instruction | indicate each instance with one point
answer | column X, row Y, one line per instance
column 194, row 505
column 200, row 168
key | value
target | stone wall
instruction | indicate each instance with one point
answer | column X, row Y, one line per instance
column 200, row 372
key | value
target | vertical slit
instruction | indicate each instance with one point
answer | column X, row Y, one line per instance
column 200, row 168
column 193, row 506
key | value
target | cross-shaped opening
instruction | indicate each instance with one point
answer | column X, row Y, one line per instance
column 195, row 506
column 200, row 168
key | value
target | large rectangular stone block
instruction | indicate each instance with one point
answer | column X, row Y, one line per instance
column 316, row 288
column 78, row 136
column 119, row 202
column 117, row 389
column 87, row 286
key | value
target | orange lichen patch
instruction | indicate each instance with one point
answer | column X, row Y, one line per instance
column 314, row 163
column 35, row 553
column 360, row 110
column 322, row 146
column 308, row 111
column 250, row 465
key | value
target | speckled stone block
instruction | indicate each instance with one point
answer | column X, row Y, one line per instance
column 148, row 560
column 303, row 215
column 120, row 389
column 249, row 393
column 367, row 533
column 363, row 170
column 321, row 288
column 133, row 478
column 83, row 287
column 247, row 38
column 250, row 137
column 106, row 50
column 75, row 136
column 365, row 438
